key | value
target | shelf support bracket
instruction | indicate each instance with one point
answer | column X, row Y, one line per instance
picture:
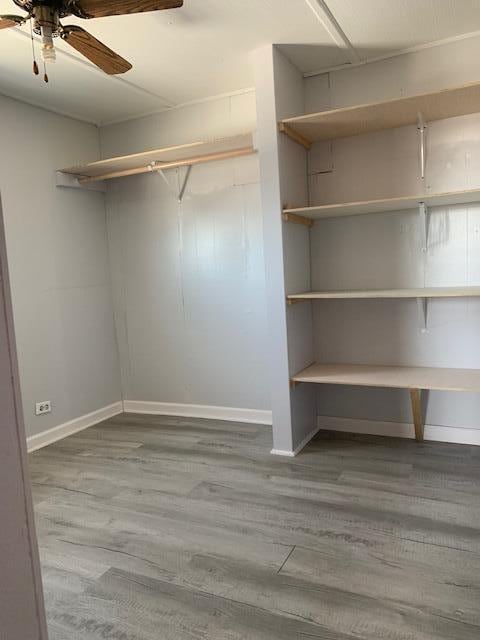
column 295, row 136
column 296, row 219
column 421, row 126
column 422, row 304
column 417, row 413
column 294, row 383
column 292, row 301
column 424, row 222
column 185, row 182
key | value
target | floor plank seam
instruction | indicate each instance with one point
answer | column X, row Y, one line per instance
column 118, row 551
column 435, row 544
column 58, row 488
column 286, row 559
column 143, row 581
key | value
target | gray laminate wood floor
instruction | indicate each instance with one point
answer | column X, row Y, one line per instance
column 155, row 528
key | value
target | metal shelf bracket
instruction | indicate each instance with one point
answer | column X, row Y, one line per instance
column 422, row 305
column 421, row 126
column 424, row 223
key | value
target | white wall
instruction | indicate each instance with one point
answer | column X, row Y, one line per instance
column 385, row 251
column 58, row 258
column 188, row 279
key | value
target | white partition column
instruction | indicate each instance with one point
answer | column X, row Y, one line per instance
column 283, row 170
column 22, row 611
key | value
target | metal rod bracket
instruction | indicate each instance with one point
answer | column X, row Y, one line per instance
column 74, row 182
column 161, row 173
column 184, row 184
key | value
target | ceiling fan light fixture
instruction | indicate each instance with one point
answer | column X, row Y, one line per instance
column 47, row 25
column 45, row 16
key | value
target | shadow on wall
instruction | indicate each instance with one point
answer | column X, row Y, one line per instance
column 309, row 58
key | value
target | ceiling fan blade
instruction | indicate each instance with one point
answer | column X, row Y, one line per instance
column 11, row 21
column 94, row 50
column 102, row 8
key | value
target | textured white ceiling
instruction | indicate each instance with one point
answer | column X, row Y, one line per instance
column 376, row 27
column 204, row 48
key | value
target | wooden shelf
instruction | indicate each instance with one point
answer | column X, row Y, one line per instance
column 165, row 158
column 365, row 118
column 427, row 292
column 433, row 378
column 384, row 205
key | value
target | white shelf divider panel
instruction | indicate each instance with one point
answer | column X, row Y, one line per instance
column 376, row 116
column 424, row 378
column 160, row 159
column 385, row 205
column 423, row 292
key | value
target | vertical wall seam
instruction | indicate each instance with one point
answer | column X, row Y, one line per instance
column 110, row 286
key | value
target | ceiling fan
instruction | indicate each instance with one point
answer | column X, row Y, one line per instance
column 46, row 15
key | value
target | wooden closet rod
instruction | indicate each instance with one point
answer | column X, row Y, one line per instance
column 154, row 166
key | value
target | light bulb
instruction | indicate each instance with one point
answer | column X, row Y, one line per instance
column 48, row 53
column 48, row 48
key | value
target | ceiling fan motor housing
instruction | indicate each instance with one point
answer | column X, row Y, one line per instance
column 46, row 20
column 62, row 8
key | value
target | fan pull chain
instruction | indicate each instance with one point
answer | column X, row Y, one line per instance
column 35, row 65
column 45, row 75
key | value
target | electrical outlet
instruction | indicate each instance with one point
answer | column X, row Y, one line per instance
column 43, row 407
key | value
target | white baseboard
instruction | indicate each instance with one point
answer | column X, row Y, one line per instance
column 456, row 435
column 258, row 416
column 73, row 426
column 306, row 440
column 298, row 448
column 282, row 452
